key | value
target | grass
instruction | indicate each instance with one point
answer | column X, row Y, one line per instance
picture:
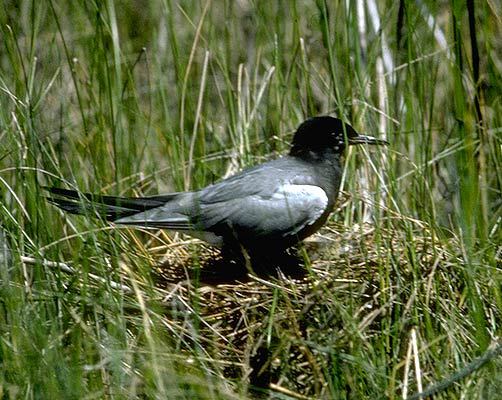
column 139, row 98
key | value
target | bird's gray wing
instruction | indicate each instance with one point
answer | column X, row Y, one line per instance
column 284, row 212
column 187, row 209
column 281, row 213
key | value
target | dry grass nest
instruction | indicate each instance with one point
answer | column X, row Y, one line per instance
column 290, row 328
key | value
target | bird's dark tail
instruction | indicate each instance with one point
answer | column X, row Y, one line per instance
column 108, row 207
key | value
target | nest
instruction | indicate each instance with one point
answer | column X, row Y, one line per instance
column 284, row 326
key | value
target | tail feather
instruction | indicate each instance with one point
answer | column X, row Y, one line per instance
column 109, row 207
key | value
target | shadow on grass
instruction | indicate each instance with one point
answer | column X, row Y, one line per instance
column 225, row 268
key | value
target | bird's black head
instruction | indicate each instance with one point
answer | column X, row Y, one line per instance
column 319, row 134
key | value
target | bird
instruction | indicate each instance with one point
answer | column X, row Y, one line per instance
column 268, row 207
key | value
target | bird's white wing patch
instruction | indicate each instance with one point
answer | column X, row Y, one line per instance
column 308, row 200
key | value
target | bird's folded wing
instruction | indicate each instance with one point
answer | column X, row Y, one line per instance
column 282, row 212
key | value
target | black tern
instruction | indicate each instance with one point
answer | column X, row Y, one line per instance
column 268, row 207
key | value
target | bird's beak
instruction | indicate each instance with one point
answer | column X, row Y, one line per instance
column 362, row 139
